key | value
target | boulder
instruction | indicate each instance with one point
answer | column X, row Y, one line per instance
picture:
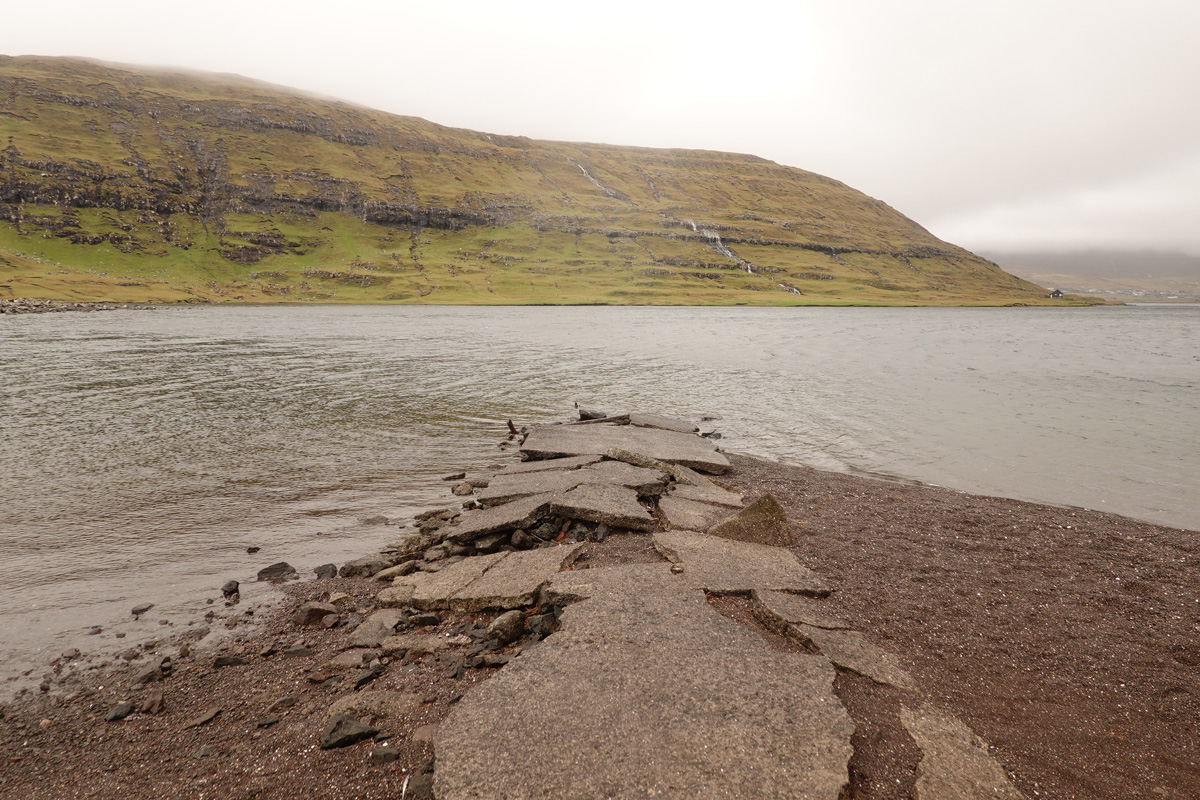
column 325, row 571
column 345, row 730
column 279, row 571
column 364, row 567
column 311, row 613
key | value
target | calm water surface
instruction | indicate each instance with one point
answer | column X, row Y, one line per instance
column 141, row 452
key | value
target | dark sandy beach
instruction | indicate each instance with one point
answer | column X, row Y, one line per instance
column 1068, row 640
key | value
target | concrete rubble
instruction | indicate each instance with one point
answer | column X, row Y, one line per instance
column 626, row 681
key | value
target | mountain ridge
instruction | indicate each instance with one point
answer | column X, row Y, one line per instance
column 126, row 184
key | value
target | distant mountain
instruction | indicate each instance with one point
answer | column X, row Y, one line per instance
column 119, row 183
column 1107, row 271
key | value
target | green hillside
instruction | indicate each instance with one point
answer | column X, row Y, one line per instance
column 118, row 183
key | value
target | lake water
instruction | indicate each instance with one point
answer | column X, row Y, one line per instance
column 142, row 452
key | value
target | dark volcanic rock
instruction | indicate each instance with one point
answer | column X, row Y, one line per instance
column 230, row 588
column 326, row 571
column 279, row 571
column 345, row 730
column 119, row 711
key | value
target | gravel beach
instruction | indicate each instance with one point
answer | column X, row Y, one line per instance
column 1069, row 640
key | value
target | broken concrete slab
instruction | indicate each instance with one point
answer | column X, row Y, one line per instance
column 395, row 596
column 853, row 651
column 516, row 580
column 432, row 590
column 688, row 515
column 375, row 628
column 689, row 477
column 574, row 462
column 615, row 506
column 713, row 495
column 662, row 423
column 517, row 514
column 782, row 609
column 763, row 522
column 732, row 567
column 678, row 702
column 418, row 644
column 638, row 460
column 955, row 764
column 504, row 489
column 550, row 441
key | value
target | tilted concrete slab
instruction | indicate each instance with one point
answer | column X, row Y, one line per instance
column 853, row 651
column 549, row 441
column 518, row 514
column 955, row 764
column 688, row 515
column 515, row 581
column 575, row 462
column 615, row 506
column 689, row 477
column 646, row 691
column 433, row 590
column 785, row 609
column 663, row 423
column 506, row 488
column 728, row 566
column 763, row 522
column 713, row 495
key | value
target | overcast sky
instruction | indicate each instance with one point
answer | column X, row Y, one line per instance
column 1008, row 125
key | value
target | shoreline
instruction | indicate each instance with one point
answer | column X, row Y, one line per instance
column 1001, row 608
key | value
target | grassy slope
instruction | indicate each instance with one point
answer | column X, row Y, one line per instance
column 125, row 185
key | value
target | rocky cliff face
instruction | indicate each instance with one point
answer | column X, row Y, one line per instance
column 107, row 165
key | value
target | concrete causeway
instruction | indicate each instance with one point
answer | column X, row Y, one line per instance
column 645, row 689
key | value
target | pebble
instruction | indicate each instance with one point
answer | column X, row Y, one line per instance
column 138, row 610
column 119, row 712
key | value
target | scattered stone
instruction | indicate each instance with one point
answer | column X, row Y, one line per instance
column 732, row 567
column 853, row 651
column 138, row 610
column 376, row 628
column 344, row 731
column 282, row 703
column 369, row 674
column 150, row 673
column 297, row 650
column 378, row 519
column 253, row 550
column 70, row 654
column 279, row 571
column 364, row 567
column 229, row 661
column 95, row 630
column 330, row 621
column 311, row 613
column 206, row 751
column 462, row 489
column 119, row 712
column 763, row 522
column 424, row 619
column 955, row 764
column 454, row 476
column 266, row 722
column 385, row 755
column 230, row 588
column 202, row 720
column 507, row 627
column 153, row 704
column 325, row 571
column 420, row 787
column 400, row 570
